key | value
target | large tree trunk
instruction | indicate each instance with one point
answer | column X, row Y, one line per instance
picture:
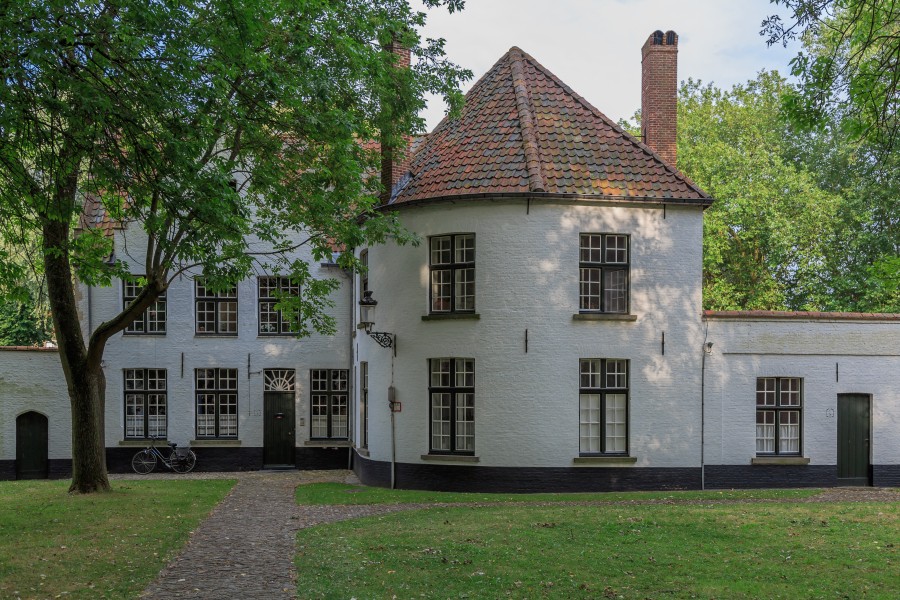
column 87, row 397
column 84, row 375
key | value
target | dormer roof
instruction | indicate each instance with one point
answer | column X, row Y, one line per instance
column 523, row 131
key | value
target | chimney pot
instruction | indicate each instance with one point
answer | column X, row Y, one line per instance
column 659, row 94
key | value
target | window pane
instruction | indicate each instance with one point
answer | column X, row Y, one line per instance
column 319, row 380
column 206, row 415
column 440, row 422
column 465, row 289
column 589, row 297
column 319, row 420
column 156, row 415
column 228, row 415
column 765, row 391
column 206, row 317
column 789, row 431
column 590, row 373
column 339, row 380
column 591, row 248
column 765, row 431
column 616, row 249
column 616, row 416
column 268, row 317
column 156, row 317
column 616, row 374
column 227, row 317
column 440, row 290
column 339, row 416
column 440, row 372
column 790, row 392
column 134, row 415
column 465, row 249
column 615, row 290
column 590, row 422
column 465, row 372
column 440, row 251
column 465, row 422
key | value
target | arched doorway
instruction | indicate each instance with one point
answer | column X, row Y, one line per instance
column 31, row 446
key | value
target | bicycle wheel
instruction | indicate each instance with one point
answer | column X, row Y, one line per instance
column 184, row 464
column 143, row 462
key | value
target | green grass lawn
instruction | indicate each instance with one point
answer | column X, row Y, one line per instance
column 739, row 550
column 53, row 545
column 340, row 493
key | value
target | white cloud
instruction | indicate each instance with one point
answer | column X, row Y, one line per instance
column 594, row 45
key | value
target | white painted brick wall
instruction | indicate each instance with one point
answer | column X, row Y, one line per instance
column 867, row 356
column 32, row 380
column 527, row 278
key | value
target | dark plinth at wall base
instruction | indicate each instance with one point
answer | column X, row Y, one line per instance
column 317, row 459
column 7, row 470
column 886, row 475
column 770, row 476
column 456, row 478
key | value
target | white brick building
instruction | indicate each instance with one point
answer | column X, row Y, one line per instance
column 547, row 334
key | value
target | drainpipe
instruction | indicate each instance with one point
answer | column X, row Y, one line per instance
column 707, row 349
column 392, row 394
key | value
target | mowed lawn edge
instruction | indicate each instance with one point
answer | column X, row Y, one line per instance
column 346, row 494
column 53, row 544
column 715, row 550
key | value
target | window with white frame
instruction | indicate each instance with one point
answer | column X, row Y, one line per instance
column 778, row 411
column 153, row 321
column 603, row 266
column 451, row 392
column 603, row 406
column 217, row 403
column 216, row 312
column 271, row 320
column 329, row 403
column 145, row 403
column 452, row 265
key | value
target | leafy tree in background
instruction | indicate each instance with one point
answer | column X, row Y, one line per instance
column 19, row 326
column 766, row 237
column 849, row 67
column 155, row 109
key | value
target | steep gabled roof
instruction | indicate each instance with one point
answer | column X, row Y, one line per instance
column 523, row 131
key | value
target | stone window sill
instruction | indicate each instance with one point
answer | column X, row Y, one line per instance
column 214, row 443
column 142, row 443
column 363, row 452
column 327, row 443
column 604, row 317
column 215, row 335
column 604, row 460
column 451, row 317
column 779, row 460
column 463, row 458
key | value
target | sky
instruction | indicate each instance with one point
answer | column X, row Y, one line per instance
column 595, row 45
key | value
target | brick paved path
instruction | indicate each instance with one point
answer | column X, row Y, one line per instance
column 245, row 549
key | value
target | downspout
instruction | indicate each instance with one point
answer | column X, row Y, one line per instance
column 707, row 349
column 392, row 398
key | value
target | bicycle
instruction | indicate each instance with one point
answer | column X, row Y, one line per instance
column 145, row 460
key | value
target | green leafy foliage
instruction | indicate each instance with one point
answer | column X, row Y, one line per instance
column 767, row 234
column 227, row 133
column 849, row 65
column 19, row 326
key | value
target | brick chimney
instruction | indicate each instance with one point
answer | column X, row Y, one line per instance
column 659, row 93
column 394, row 161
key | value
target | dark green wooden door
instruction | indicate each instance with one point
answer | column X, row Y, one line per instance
column 31, row 446
column 278, row 433
column 853, row 440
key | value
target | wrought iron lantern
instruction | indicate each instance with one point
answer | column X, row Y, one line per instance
column 367, row 321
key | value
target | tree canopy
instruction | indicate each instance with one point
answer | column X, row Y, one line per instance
column 229, row 132
column 849, row 66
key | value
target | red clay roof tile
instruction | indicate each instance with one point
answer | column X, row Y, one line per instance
column 524, row 131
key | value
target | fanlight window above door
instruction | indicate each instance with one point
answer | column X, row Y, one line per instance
column 279, row 380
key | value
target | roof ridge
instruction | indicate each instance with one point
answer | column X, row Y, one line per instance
column 526, row 122
column 610, row 122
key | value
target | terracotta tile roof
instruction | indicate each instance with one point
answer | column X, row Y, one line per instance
column 524, row 131
column 93, row 215
column 799, row 315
